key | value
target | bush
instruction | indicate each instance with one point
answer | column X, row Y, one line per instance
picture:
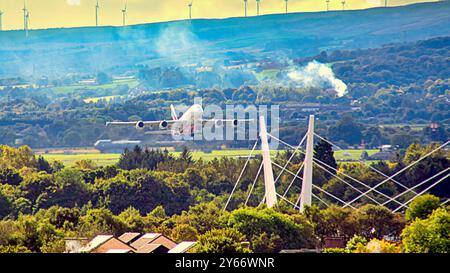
column 431, row 235
column 221, row 241
column 422, row 207
column 335, row 250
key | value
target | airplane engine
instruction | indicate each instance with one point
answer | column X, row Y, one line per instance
column 163, row 124
column 140, row 125
column 219, row 123
column 235, row 123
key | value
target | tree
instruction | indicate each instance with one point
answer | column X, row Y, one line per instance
column 103, row 78
column 323, row 151
column 85, row 164
column 226, row 240
column 16, row 158
column 421, row 207
column 430, row 235
column 14, row 249
column 36, row 184
column 132, row 219
column 346, row 129
column 100, row 221
column 377, row 222
column 69, row 190
column 295, row 232
column 378, row 246
column 5, row 206
column 184, row 232
column 10, row 176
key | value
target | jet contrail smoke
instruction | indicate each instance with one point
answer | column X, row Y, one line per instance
column 179, row 44
column 317, row 75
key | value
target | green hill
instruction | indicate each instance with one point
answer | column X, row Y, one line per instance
column 60, row 51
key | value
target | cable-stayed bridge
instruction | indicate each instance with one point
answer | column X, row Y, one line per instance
column 364, row 193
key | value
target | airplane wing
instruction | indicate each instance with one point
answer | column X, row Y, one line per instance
column 161, row 124
column 221, row 122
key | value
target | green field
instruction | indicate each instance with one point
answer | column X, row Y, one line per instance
column 348, row 155
column 108, row 159
column 77, row 87
column 70, row 159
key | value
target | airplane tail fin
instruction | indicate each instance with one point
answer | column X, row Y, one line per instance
column 173, row 112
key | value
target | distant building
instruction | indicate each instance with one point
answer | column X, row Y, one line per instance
column 109, row 146
column 74, row 244
column 129, row 237
column 153, row 238
column 129, row 242
column 153, row 248
column 105, row 243
column 183, row 247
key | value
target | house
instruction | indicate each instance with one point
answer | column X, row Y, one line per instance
column 183, row 247
column 120, row 251
column 105, row 243
column 129, row 237
column 74, row 244
column 335, row 242
column 153, row 238
column 152, row 248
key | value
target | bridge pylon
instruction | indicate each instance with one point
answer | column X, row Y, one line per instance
column 306, row 194
column 271, row 195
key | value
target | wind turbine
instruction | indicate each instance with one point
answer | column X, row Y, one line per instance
column 385, row 3
column 245, row 7
column 97, row 8
column 27, row 17
column 25, row 11
column 257, row 7
column 286, row 1
column 190, row 9
column 1, row 14
column 124, row 14
column 343, row 5
column 328, row 5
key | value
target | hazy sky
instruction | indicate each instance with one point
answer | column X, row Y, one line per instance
column 71, row 13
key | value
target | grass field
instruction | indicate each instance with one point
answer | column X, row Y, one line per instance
column 70, row 159
column 108, row 159
column 76, row 87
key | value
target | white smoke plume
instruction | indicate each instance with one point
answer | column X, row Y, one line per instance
column 179, row 44
column 317, row 75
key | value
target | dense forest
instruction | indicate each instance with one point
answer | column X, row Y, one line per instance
column 43, row 202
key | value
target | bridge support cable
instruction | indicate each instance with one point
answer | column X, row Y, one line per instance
column 422, row 192
column 292, row 181
column 291, row 157
column 240, row 175
column 317, row 197
column 359, row 182
column 288, row 201
column 418, row 185
column 399, row 172
column 314, row 186
column 445, row 202
column 345, row 182
column 338, row 171
column 368, row 165
column 253, row 184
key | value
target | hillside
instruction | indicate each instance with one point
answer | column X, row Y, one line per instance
column 55, row 52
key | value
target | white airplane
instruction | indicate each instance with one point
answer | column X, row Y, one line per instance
column 187, row 124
